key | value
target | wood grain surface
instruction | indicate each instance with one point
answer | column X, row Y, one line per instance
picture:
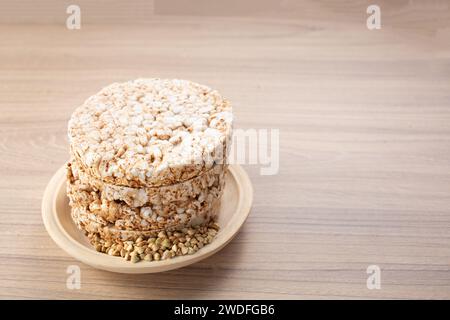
column 364, row 120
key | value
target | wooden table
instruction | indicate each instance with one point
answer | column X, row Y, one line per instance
column 364, row 120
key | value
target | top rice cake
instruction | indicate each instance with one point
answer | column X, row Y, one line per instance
column 151, row 132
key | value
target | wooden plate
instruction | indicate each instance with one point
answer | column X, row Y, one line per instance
column 236, row 203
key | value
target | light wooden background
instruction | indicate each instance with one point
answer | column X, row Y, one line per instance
column 364, row 118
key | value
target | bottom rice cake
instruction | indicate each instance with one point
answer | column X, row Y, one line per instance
column 139, row 245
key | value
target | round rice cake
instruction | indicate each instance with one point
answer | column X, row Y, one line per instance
column 151, row 132
column 146, row 218
column 201, row 188
column 89, row 223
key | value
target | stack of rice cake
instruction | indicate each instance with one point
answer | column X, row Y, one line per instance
column 147, row 168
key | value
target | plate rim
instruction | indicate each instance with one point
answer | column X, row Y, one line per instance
column 102, row 261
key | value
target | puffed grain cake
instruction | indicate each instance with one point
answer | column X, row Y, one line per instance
column 89, row 223
column 169, row 216
column 199, row 188
column 151, row 132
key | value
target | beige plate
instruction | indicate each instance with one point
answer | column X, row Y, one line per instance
column 235, row 207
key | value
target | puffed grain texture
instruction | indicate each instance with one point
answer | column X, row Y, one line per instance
column 151, row 132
